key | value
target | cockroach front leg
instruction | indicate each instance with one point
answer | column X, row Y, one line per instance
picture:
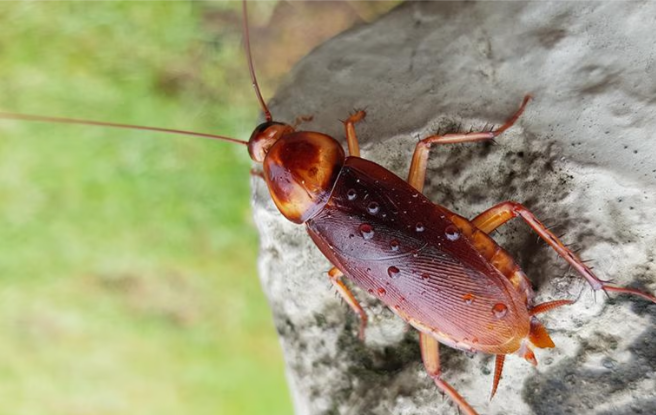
column 503, row 212
column 430, row 354
column 335, row 276
column 417, row 175
column 351, row 137
column 257, row 173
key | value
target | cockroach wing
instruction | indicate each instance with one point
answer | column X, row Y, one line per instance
column 390, row 240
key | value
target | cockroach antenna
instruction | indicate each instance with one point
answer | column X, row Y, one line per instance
column 251, row 68
column 60, row 120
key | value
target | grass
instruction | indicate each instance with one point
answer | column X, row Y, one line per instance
column 127, row 259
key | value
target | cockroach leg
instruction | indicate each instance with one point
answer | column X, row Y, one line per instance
column 503, row 212
column 417, row 174
column 335, row 276
column 430, row 354
column 351, row 137
column 257, row 173
column 498, row 369
column 548, row 306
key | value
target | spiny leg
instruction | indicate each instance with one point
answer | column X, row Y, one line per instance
column 335, row 276
column 417, row 174
column 351, row 137
column 538, row 334
column 430, row 354
column 498, row 369
column 503, row 212
column 548, row 306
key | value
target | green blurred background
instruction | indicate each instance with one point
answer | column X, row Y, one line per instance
column 128, row 259
column 127, row 263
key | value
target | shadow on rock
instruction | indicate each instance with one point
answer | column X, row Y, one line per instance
column 571, row 388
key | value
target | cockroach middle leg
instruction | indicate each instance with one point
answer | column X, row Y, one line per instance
column 430, row 354
column 335, row 276
column 417, row 175
column 351, row 137
column 503, row 212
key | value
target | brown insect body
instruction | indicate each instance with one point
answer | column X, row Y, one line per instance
column 438, row 271
column 396, row 244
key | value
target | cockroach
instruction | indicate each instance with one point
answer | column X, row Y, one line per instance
column 438, row 271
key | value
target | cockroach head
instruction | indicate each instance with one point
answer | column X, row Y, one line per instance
column 265, row 136
column 300, row 170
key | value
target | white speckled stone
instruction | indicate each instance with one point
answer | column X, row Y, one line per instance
column 583, row 158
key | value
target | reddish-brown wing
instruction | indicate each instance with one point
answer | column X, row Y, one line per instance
column 393, row 242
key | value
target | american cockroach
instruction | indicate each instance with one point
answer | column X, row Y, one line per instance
column 438, row 271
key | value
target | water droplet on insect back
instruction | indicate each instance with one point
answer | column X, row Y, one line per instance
column 382, row 291
column 419, row 227
column 500, row 310
column 452, row 233
column 367, row 231
column 351, row 194
column 393, row 272
column 373, row 207
column 394, row 244
column 468, row 298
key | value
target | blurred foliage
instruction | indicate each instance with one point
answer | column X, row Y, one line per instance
column 127, row 263
column 127, row 268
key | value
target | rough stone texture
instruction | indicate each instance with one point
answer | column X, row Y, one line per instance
column 583, row 158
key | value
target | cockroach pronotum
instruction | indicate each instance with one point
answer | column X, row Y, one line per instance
column 438, row 271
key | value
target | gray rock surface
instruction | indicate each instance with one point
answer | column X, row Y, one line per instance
column 583, row 158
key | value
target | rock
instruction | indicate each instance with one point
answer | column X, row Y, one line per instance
column 581, row 158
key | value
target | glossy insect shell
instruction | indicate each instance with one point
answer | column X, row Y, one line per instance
column 393, row 242
column 300, row 169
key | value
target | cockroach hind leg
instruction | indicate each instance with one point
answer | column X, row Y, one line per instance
column 624, row 290
column 430, row 355
column 496, row 216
